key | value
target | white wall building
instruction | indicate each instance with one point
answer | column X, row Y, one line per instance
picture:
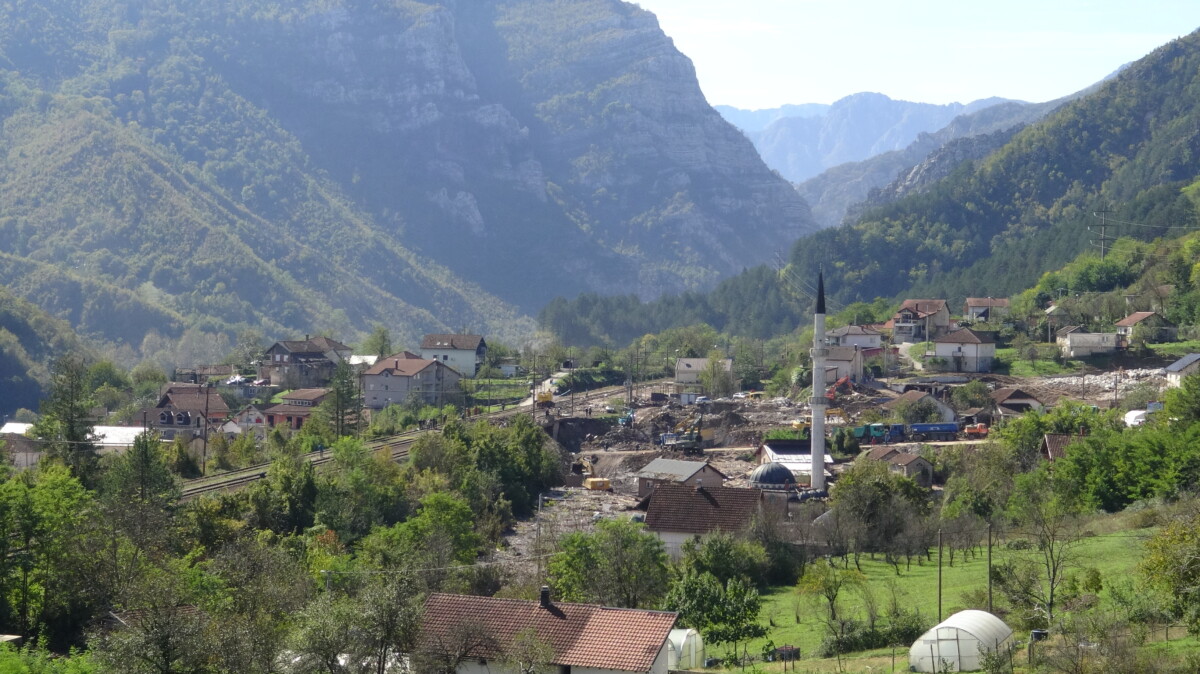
column 463, row 353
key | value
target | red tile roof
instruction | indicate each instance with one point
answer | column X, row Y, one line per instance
column 400, row 365
column 1054, row 445
column 1134, row 318
column 908, row 396
column 903, row 459
column 313, row 394
column 698, row 510
column 580, row 635
column 1002, row 395
column 882, row 453
column 923, row 308
column 966, row 336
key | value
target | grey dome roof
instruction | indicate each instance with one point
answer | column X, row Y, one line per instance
column 771, row 474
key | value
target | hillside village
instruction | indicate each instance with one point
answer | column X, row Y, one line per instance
column 690, row 459
column 434, row 337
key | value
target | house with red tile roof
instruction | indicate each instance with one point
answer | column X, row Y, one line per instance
column 966, row 350
column 183, row 408
column 395, row 379
column 296, row 407
column 478, row 635
column 918, row 320
column 1156, row 327
column 677, row 513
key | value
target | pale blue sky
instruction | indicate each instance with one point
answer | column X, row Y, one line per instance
column 764, row 53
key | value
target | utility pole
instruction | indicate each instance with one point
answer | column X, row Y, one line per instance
column 939, row 575
column 1104, row 239
column 989, row 567
column 204, row 459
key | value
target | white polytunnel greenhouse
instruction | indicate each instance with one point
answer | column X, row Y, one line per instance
column 958, row 643
column 686, row 649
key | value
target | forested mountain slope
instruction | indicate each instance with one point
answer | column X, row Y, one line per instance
column 991, row 227
column 29, row 340
column 324, row 166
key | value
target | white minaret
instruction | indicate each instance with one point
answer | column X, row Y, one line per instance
column 818, row 402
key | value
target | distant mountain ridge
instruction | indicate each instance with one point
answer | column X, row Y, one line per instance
column 854, row 128
column 432, row 165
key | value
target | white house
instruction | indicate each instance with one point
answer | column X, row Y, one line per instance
column 1188, row 365
column 855, row 335
column 479, row 632
column 392, row 380
column 688, row 370
column 463, row 353
column 1079, row 344
column 843, row 361
column 1013, row 401
column 966, row 350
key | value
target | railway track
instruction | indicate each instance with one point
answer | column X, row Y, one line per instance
column 399, row 446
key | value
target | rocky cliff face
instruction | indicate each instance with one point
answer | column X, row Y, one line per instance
column 427, row 164
column 852, row 129
column 569, row 139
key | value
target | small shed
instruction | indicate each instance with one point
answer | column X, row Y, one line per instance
column 958, row 643
column 685, row 649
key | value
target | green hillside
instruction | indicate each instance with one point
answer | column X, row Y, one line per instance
column 29, row 340
column 324, row 167
column 1120, row 162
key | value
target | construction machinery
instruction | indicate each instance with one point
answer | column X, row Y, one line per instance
column 840, row 386
column 626, row 419
column 544, row 399
column 975, row 431
column 689, row 435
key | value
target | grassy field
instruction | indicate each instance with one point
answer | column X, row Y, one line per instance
column 1007, row 362
column 797, row 621
column 1176, row 349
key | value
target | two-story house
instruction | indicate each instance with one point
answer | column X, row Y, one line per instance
column 184, row 409
column 296, row 408
column 919, row 320
column 462, row 353
column 306, row 363
column 395, row 379
column 966, row 350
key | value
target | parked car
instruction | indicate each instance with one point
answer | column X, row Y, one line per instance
column 703, row 399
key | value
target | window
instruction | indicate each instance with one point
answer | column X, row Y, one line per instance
column 182, row 419
column 164, row 418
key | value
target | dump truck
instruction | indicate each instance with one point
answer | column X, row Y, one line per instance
column 947, row 430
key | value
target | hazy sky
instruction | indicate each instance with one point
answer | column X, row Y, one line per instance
column 764, row 53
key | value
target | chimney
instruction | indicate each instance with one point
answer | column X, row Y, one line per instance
column 699, row 484
column 544, row 598
column 397, row 363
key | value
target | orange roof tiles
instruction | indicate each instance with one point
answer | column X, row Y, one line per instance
column 580, row 635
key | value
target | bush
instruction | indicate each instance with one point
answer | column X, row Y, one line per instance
column 904, row 629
